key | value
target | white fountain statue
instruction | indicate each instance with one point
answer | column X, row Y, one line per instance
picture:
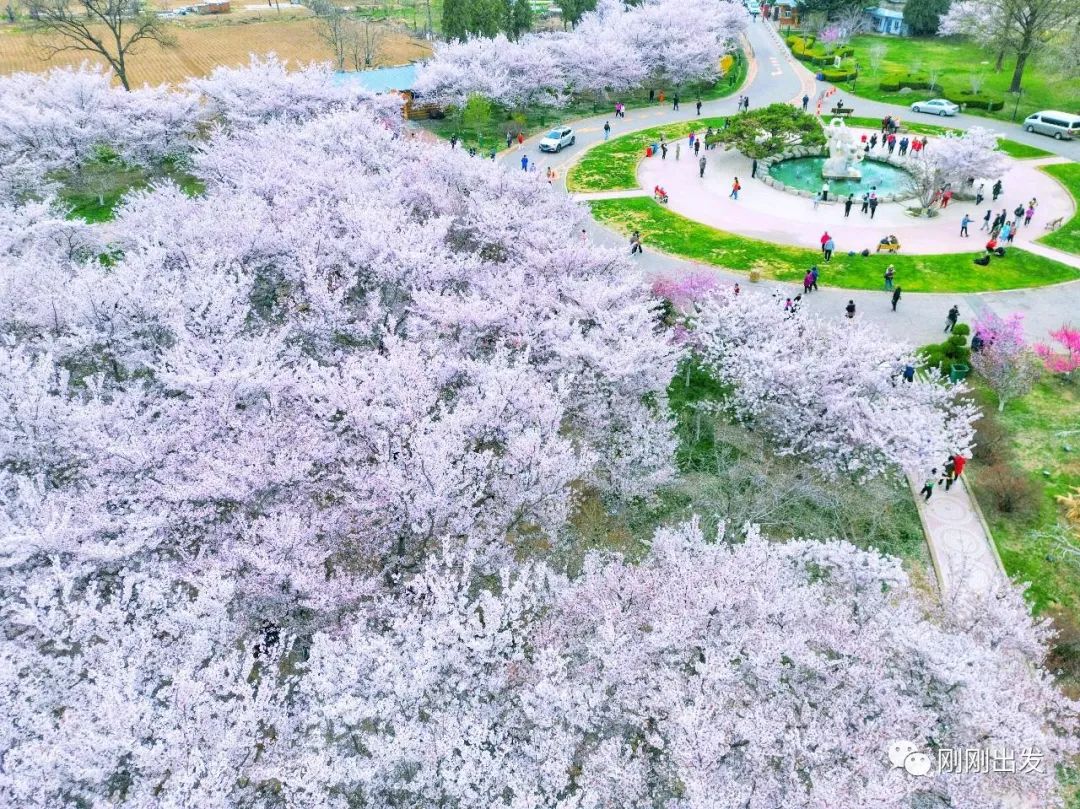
column 844, row 152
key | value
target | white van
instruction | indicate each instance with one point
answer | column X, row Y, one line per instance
column 1061, row 125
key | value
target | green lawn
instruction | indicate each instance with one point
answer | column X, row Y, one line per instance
column 957, row 62
column 671, row 233
column 1037, row 436
column 94, row 193
column 1010, row 147
column 492, row 134
column 612, row 166
column 1067, row 237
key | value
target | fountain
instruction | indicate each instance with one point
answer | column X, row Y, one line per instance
column 845, row 153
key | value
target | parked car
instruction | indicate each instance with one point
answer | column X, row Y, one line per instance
column 556, row 139
column 939, row 106
column 1060, row 125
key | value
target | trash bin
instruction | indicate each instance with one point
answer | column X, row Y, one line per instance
column 958, row 371
column 648, row 151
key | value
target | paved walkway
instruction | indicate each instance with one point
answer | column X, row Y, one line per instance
column 776, row 76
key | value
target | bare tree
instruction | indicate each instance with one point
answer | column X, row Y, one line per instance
column 365, row 39
column 334, row 28
column 849, row 23
column 109, row 28
column 876, row 54
column 975, row 82
column 934, row 74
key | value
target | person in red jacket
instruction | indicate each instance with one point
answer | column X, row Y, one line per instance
column 958, row 462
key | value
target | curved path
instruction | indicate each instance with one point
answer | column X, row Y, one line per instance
column 775, row 76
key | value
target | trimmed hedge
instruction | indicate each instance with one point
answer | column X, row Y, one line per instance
column 805, row 49
column 915, row 81
column 918, row 81
column 979, row 102
column 839, row 74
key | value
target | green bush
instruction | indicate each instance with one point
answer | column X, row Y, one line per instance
column 954, row 351
column 961, row 330
column 840, row 74
column 979, row 102
column 915, row 81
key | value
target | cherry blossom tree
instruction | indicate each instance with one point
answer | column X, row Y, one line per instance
column 612, row 49
column 1056, row 360
column 1005, row 360
column 954, row 161
column 832, row 392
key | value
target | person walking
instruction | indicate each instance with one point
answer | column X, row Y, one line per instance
column 1005, row 232
column 865, row 202
column 928, row 487
column 949, row 470
column 986, row 220
column 701, row 166
column 890, row 274
column 1030, row 212
column 663, row 150
column 958, row 462
column 746, row 103
column 805, row 102
column 847, row 206
column 825, row 191
column 814, row 276
column 824, row 238
column 521, row 139
column 675, row 101
column 979, row 195
column 607, row 130
column 850, row 309
column 807, row 282
column 453, row 141
column 699, row 107
column 678, row 149
column 964, row 225
column 873, row 206
column 635, row 242
column 509, row 140
column 952, row 317
column 753, row 168
column 524, row 162
column 996, row 190
column 735, row 190
column 817, row 200
column 697, row 147
column 829, row 247
column 895, row 297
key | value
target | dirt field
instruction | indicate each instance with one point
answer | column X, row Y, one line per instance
column 205, row 43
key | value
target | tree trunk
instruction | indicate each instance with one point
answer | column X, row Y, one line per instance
column 1001, row 403
column 1018, row 72
column 999, row 62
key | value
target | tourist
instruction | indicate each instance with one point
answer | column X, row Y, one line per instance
column 923, row 143
column 1030, row 212
column 996, row 190
column 952, row 317
column 807, row 282
column 829, row 247
column 885, row 124
column 524, row 162
column 701, row 166
column 964, row 225
column 788, row 305
column 699, row 107
column 814, row 276
column 865, row 202
column 697, row 146
column 890, row 273
column 949, row 471
column 663, row 150
column 607, row 130
column 1005, row 232
column 521, row 138
column 928, row 487
column 1018, row 212
column 895, row 298
column 550, row 174
column 850, row 309
column 746, row 103
column 873, row 141
column 986, row 220
column 692, row 138
column 737, row 290
column 805, row 102
column 916, row 147
column 735, row 190
column 945, row 197
column 847, row 206
column 753, row 168
column 635, row 242
column 873, row 204
column 903, row 145
column 824, row 238
column 979, row 196
column 509, row 140
column 958, row 460
column 1012, row 232
column 678, row 149
column 892, row 143
column 675, row 101
column 738, row 103
column 825, row 191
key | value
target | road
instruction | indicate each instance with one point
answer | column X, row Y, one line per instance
column 775, row 76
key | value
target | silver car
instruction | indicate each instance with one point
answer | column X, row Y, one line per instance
column 1060, row 125
column 556, row 139
column 940, row 106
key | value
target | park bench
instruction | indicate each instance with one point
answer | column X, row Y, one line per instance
column 888, row 247
column 1055, row 224
column 841, row 111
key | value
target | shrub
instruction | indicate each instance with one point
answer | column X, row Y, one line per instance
column 961, row 330
column 980, row 102
column 841, row 74
column 992, row 441
column 954, row 351
column 1011, row 490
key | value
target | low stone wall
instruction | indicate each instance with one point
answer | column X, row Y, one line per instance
column 802, row 151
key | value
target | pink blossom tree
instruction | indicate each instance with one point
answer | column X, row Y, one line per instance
column 1056, row 360
column 1005, row 360
column 954, row 161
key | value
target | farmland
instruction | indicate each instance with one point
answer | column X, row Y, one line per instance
column 204, row 43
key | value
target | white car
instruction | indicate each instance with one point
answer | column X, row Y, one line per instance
column 556, row 139
column 940, row 106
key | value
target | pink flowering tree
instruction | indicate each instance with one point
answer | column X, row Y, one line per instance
column 830, row 392
column 953, row 161
column 1064, row 358
column 1008, row 364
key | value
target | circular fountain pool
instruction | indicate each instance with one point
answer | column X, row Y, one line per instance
column 804, row 174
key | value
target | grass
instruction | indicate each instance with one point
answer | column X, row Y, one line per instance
column 612, row 166
column 492, row 134
column 956, row 62
column 1066, row 237
column 1013, row 148
column 205, row 43
column 671, row 233
column 102, row 184
column 1039, row 437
